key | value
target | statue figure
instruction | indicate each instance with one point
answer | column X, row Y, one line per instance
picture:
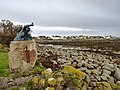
column 24, row 34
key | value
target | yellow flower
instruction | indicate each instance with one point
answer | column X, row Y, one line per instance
column 74, row 71
column 47, row 72
column 50, row 88
column 42, row 82
column 51, row 81
column 35, row 80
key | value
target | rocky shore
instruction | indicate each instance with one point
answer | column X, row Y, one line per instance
column 68, row 68
column 99, row 67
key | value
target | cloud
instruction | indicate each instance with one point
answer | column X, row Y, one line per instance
column 98, row 15
column 51, row 30
column 58, row 28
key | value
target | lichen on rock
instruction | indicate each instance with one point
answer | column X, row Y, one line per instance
column 71, row 70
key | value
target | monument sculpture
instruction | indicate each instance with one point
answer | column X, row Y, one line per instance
column 23, row 53
column 24, row 34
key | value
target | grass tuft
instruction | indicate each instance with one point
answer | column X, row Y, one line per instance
column 4, row 70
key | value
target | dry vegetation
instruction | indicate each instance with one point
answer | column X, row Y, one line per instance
column 8, row 31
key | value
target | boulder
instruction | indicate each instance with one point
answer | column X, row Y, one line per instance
column 109, row 67
column 106, row 72
column 104, row 78
column 22, row 55
column 111, row 80
column 98, row 78
column 117, row 74
column 93, row 84
column 118, row 83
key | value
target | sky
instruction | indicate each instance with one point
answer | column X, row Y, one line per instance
column 65, row 17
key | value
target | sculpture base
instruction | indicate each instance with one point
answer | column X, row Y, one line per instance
column 22, row 55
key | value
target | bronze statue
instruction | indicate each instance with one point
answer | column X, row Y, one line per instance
column 24, row 34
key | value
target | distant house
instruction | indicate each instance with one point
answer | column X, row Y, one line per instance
column 72, row 37
column 108, row 37
column 96, row 37
column 43, row 38
column 83, row 37
column 56, row 37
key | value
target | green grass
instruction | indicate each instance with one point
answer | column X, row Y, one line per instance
column 38, row 66
column 4, row 67
column 4, row 63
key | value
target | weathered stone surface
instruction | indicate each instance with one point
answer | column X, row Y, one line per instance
column 84, row 88
column 99, row 67
column 98, row 78
column 108, row 67
column 3, row 81
column 22, row 55
column 104, row 78
column 106, row 72
column 118, row 83
column 93, row 84
column 117, row 74
column 111, row 80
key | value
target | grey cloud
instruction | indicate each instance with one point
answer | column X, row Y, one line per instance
column 101, row 15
